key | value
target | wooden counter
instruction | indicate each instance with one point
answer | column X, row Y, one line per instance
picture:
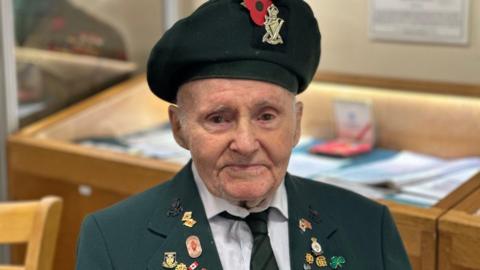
column 459, row 236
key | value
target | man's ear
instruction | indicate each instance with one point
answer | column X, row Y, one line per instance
column 298, row 121
column 177, row 126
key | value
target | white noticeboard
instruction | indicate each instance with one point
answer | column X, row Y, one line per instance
column 432, row 21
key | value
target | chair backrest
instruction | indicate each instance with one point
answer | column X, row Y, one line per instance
column 35, row 223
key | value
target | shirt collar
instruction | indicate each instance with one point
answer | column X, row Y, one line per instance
column 215, row 205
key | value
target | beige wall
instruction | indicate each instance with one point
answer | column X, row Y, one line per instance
column 345, row 43
column 346, row 47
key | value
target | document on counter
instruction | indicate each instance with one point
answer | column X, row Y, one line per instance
column 440, row 186
column 386, row 171
column 308, row 165
column 364, row 190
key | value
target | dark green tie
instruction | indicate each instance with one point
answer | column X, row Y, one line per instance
column 262, row 253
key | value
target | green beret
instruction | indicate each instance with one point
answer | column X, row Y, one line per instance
column 276, row 41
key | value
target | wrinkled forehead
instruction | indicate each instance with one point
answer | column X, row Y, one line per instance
column 217, row 91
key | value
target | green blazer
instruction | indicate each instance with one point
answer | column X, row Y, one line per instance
column 136, row 233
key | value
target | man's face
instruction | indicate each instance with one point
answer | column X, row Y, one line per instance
column 240, row 134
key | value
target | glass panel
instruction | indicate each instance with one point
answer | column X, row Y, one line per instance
column 68, row 50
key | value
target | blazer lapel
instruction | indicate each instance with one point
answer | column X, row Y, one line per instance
column 167, row 222
column 311, row 206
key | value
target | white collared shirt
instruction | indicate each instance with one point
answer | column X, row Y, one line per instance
column 233, row 238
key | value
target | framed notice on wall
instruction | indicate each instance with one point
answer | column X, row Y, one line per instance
column 432, row 21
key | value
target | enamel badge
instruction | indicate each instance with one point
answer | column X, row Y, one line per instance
column 193, row 266
column 169, row 260
column 316, row 247
column 194, row 247
column 337, row 262
column 304, row 224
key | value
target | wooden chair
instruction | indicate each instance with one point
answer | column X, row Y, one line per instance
column 35, row 223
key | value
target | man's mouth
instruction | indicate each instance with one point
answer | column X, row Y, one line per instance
column 251, row 169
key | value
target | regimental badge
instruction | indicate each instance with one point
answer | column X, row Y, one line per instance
column 309, row 258
column 321, row 261
column 304, row 224
column 316, row 247
column 337, row 262
column 273, row 25
column 169, row 260
column 181, row 266
column 194, row 247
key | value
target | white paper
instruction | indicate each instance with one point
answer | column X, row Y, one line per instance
column 364, row 190
column 434, row 21
column 385, row 171
column 306, row 165
column 438, row 188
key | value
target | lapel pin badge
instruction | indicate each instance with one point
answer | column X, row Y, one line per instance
column 194, row 247
column 188, row 220
column 193, row 266
column 309, row 258
column 169, row 260
column 316, row 247
column 175, row 209
column 181, row 266
column 337, row 262
column 190, row 223
column 321, row 261
column 304, row 225
column 187, row 216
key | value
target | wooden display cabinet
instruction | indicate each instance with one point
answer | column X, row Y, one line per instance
column 43, row 158
column 459, row 236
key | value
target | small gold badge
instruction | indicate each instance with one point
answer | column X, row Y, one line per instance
column 181, row 266
column 187, row 216
column 273, row 25
column 190, row 223
column 169, row 260
column 188, row 220
column 321, row 261
column 309, row 258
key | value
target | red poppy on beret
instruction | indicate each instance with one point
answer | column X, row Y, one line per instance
column 258, row 10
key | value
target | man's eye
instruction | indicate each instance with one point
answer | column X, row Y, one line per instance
column 266, row 117
column 217, row 119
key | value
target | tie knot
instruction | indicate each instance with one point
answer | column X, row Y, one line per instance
column 257, row 222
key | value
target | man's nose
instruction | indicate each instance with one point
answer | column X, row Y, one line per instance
column 244, row 138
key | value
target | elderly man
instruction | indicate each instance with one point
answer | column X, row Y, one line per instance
column 232, row 69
